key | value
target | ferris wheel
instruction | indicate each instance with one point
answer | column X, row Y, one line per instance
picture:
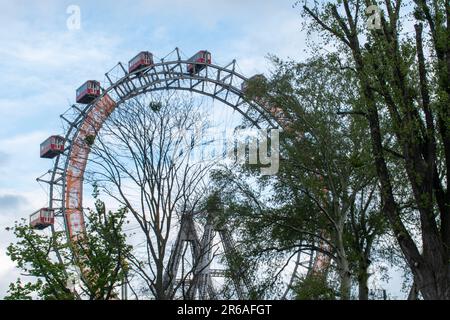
column 97, row 101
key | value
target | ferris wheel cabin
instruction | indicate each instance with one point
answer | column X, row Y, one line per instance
column 199, row 62
column 52, row 147
column 42, row 218
column 142, row 60
column 88, row 92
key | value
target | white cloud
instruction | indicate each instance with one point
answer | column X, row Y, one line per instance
column 8, row 272
column 27, row 202
column 160, row 33
column 57, row 50
column 20, row 145
column 24, row 164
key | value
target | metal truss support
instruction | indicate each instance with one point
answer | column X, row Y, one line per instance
column 240, row 280
column 202, row 278
column 200, row 286
column 186, row 234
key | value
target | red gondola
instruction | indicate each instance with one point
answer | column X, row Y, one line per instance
column 200, row 60
column 42, row 218
column 142, row 60
column 52, row 147
column 88, row 92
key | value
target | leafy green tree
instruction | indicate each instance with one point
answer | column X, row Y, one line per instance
column 325, row 197
column 404, row 94
column 314, row 287
column 96, row 262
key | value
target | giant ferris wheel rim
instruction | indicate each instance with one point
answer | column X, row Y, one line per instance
column 163, row 75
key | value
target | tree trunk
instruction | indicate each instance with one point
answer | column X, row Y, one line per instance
column 430, row 272
column 160, row 289
column 363, row 287
column 343, row 268
column 346, row 282
column 413, row 292
column 433, row 284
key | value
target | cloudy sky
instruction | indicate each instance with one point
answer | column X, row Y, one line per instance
column 42, row 62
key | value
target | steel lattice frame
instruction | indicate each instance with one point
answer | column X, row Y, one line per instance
column 220, row 83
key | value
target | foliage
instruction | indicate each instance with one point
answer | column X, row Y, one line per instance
column 97, row 259
column 402, row 82
column 325, row 190
column 314, row 287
